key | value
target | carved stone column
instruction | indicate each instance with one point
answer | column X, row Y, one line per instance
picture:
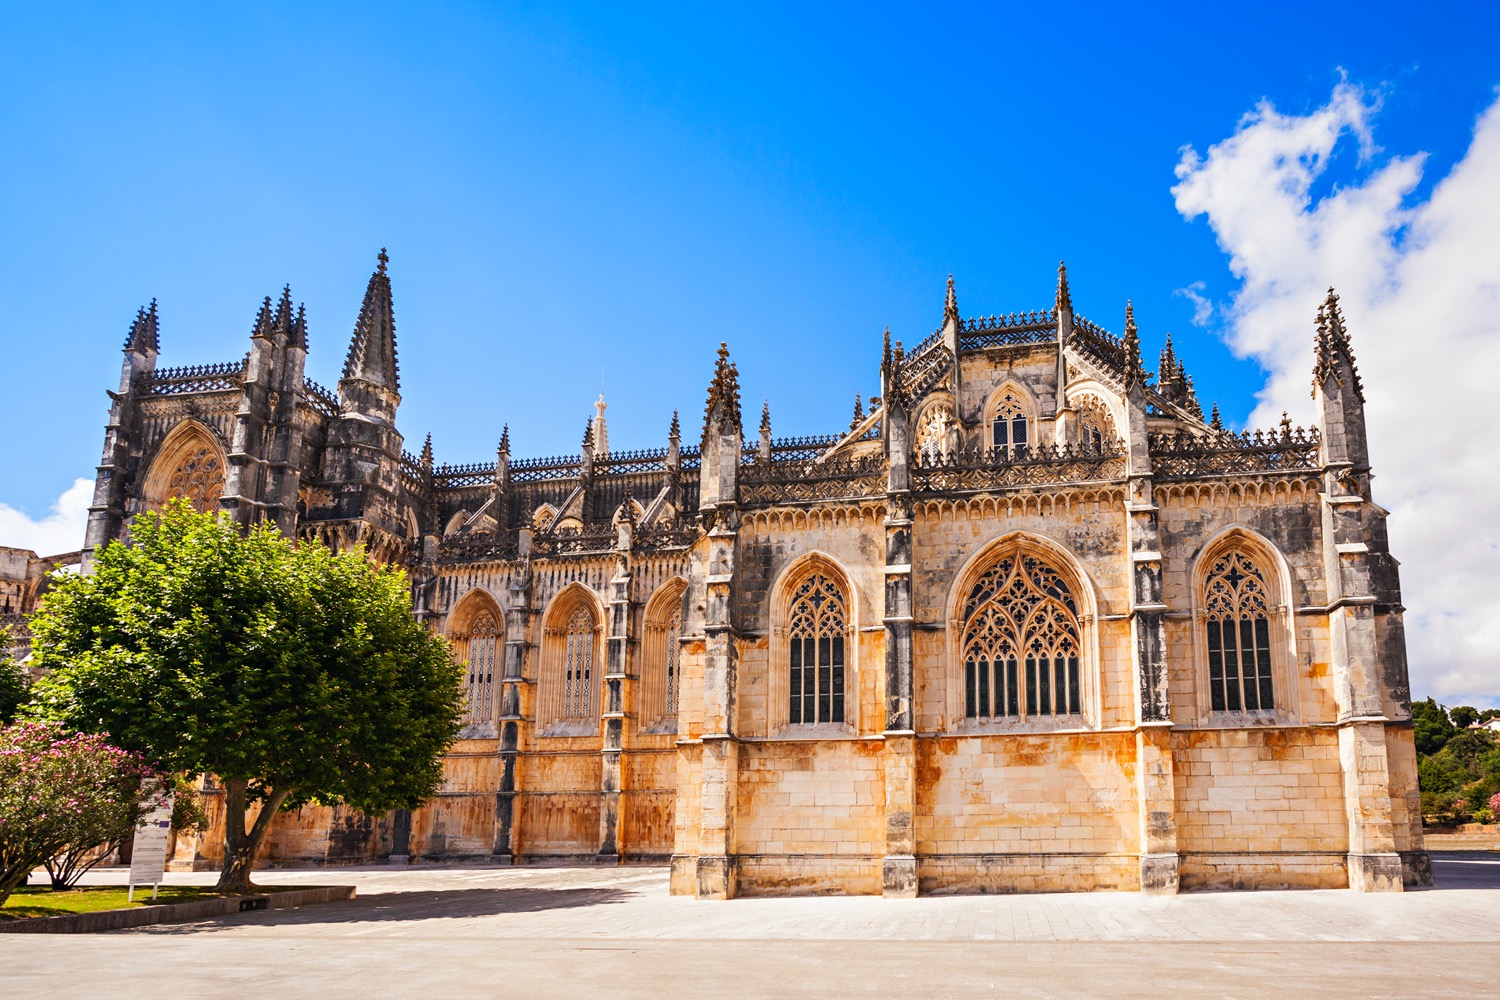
column 613, row 716
column 716, row 869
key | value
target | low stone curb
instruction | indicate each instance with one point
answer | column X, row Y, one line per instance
column 168, row 913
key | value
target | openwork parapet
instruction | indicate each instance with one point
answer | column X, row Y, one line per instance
column 535, row 470
column 1222, row 453
column 926, row 370
column 1000, row 468
column 568, row 542
column 488, row 547
column 803, row 481
column 1103, row 345
column 320, row 399
column 1035, row 327
column 456, row 477
column 670, row 537
column 197, row 378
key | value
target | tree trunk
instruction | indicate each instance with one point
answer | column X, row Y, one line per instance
column 241, row 845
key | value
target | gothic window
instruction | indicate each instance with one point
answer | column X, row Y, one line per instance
column 661, row 668
column 189, row 465
column 1096, row 428
column 578, row 675
column 1008, row 426
column 933, row 434
column 816, row 636
column 1237, row 617
column 483, row 641
column 1022, row 649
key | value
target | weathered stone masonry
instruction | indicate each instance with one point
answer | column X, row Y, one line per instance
column 1031, row 623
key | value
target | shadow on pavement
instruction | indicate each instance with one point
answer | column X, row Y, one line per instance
column 424, row 905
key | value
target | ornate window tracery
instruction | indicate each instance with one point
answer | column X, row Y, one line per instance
column 578, row 666
column 817, row 627
column 661, row 666
column 934, row 434
column 1096, row 427
column 1237, row 620
column 189, row 465
column 483, row 640
column 1022, row 649
column 1008, row 426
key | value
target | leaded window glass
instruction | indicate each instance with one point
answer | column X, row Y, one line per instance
column 198, row 476
column 1022, row 651
column 672, row 654
column 484, row 634
column 578, row 666
column 1238, row 624
column 1009, row 425
column 817, row 637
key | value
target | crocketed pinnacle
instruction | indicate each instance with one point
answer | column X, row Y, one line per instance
column 265, row 322
column 1215, row 421
column 426, row 457
column 859, row 412
column 950, row 303
column 1064, row 297
column 504, row 448
column 588, row 435
column 372, row 353
column 1135, row 371
column 144, row 336
column 765, row 418
column 1332, row 351
column 724, row 390
column 675, row 432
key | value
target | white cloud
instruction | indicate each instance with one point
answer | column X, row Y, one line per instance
column 1203, row 308
column 1420, row 291
column 60, row 531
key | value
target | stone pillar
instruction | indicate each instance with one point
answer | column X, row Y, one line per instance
column 613, row 716
column 716, row 871
column 899, row 868
column 1374, row 865
column 517, row 701
column 1156, row 790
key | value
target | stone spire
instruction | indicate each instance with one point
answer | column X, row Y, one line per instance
column 724, row 390
column 297, row 336
column 765, row 418
column 1064, row 300
column 859, row 412
column 144, row 336
column 265, row 322
column 426, row 457
column 601, row 432
column 1135, row 371
column 950, row 303
column 674, row 433
column 1168, row 367
column 504, row 448
column 1333, row 355
column 1215, row 421
column 372, row 353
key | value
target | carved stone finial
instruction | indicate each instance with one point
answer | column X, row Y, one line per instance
column 384, row 259
column 950, row 303
column 765, row 418
column 675, row 433
column 724, row 389
column 1215, row 421
column 1135, row 371
column 859, row 412
column 144, row 332
column 426, row 456
column 1064, row 296
column 504, row 448
column 1333, row 354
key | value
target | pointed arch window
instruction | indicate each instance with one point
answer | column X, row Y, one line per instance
column 578, row 667
column 1022, row 648
column 661, row 662
column 1237, row 619
column 189, row 465
column 1009, row 431
column 483, row 642
column 1096, row 428
column 817, row 626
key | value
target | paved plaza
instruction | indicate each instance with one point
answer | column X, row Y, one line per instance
column 595, row 932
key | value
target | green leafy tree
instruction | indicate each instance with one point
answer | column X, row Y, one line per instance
column 63, row 796
column 13, row 693
column 291, row 674
column 1463, row 716
column 1432, row 727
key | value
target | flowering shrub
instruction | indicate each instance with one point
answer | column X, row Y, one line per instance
column 61, row 796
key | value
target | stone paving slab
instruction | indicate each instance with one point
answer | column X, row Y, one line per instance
column 575, row 932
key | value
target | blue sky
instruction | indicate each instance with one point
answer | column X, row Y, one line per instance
column 603, row 193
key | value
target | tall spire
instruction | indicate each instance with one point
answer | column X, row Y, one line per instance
column 1064, row 298
column 144, row 336
column 950, row 303
column 1332, row 351
column 265, row 322
column 372, row 353
column 1135, row 371
column 298, row 335
column 724, row 389
column 601, row 432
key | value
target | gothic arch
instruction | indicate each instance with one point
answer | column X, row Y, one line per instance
column 797, row 588
column 570, row 684
column 1019, row 405
column 926, row 437
column 1044, row 579
column 476, row 631
column 1237, row 548
column 1098, row 423
column 189, row 463
column 661, row 656
column 455, row 522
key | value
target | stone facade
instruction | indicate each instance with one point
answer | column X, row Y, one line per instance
column 1031, row 623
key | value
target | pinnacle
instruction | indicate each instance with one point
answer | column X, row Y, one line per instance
column 1215, row 421
column 675, row 433
column 426, row 456
column 950, row 303
column 504, row 448
column 144, row 331
column 1332, row 352
column 724, row 389
column 859, row 412
column 765, row 417
column 1135, row 372
column 372, row 352
column 1064, row 296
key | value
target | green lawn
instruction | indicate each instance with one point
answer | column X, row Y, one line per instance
column 41, row 901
